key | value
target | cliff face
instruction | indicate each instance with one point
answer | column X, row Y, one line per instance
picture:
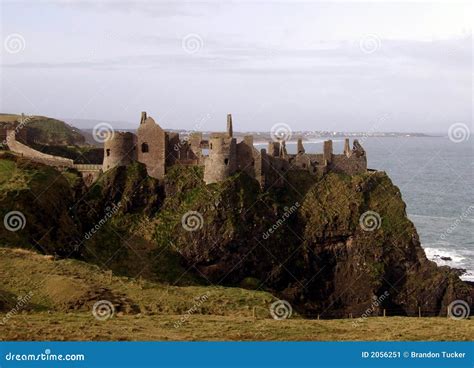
column 330, row 246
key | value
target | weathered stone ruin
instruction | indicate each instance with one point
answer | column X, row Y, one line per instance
column 159, row 149
column 221, row 155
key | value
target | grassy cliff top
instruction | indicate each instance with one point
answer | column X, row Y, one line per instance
column 46, row 130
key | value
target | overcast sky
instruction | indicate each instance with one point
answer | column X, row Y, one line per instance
column 399, row 66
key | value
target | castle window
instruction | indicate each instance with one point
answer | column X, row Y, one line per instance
column 108, row 152
column 210, row 146
column 145, row 147
column 226, row 161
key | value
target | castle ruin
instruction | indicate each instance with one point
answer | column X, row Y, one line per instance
column 159, row 150
column 220, row 155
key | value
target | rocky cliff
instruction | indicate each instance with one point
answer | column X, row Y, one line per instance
column 330, row 246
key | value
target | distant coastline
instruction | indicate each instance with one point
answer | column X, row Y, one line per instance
column 307, row 136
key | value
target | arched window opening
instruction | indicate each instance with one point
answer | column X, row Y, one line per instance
column 145, row 148
column 108, row 152
column 226, row 161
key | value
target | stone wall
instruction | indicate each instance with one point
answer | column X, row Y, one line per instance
column 119, row 150
column 246, row 156
column 274, row 170
column 20, row 132
column 33, row 154
column 151, row 147
column 90, row 173
column 348, row 165
column 351, row 162
column 174, row 149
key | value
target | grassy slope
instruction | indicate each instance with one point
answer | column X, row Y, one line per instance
column 226, row 315
column 47, row 130
column 62, row 285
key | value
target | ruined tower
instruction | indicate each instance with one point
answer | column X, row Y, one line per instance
column 230, row 131
column 119, row 150
column 221, row 162
column 151, row 146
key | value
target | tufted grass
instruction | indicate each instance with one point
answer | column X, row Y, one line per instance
column 83, row 326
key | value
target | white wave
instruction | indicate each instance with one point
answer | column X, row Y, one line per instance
column 458, row 260
column 468, row 276
column 436, row 254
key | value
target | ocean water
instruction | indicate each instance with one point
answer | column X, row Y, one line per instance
column 435, row 176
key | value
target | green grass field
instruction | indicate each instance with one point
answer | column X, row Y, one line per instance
column 63, row 293
column 83, row 326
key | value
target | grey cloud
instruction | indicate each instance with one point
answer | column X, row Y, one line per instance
column 339, row 58
column 148, row 8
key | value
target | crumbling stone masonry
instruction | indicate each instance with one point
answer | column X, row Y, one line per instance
column 159, row 150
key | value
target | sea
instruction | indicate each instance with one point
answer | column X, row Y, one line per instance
column 435, row 177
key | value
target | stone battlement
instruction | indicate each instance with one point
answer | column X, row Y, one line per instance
column 159, row 150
